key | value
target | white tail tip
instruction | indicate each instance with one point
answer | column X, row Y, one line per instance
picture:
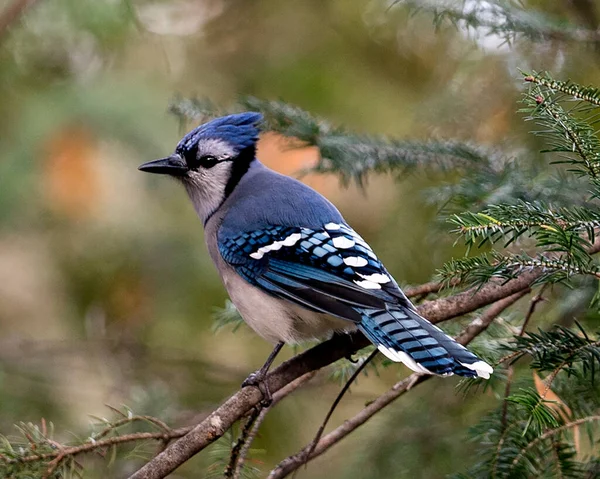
column 482, row 368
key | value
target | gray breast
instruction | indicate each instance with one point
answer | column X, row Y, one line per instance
column 272, row 318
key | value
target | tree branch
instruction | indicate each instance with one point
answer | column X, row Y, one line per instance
column 551, row 433
column 423, row 289
column 220, row 420
column 64, row 452
column 238, row 457
column 538, row 298
column 478, row 325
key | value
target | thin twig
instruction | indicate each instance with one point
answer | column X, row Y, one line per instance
column 155, row 421
column 552, row 376
column 555, row 453
column 551, row 433
column 510, row 372
column 339, row 397
column 293, row 462
column 538, row 298
column 232, row 466
column 94, row 445
column 509, row 377
column 254, row 422
column 476, row 327
column 423, row 289
column 248, row 442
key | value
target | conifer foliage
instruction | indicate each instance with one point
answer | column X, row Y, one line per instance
column 543, row 222
column 548, row 424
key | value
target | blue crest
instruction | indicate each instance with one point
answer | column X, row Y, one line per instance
column 239, row 130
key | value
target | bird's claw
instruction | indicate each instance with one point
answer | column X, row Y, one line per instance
column 351, row 359
column 253, row 379
column 258, row 380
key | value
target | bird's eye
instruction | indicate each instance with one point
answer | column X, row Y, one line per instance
column 207, row 161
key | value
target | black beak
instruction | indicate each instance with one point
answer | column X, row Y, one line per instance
column 172, row 165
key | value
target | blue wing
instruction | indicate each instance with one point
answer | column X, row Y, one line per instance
column 331, row 270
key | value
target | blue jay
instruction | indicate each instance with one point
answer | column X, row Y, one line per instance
column 291, row 264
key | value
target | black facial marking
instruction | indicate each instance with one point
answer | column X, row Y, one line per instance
column 189, row 155
column 207, row 161
column 240, row 166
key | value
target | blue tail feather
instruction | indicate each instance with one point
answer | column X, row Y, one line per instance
column 403, row 335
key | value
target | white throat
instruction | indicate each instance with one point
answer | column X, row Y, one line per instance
column 207, row 192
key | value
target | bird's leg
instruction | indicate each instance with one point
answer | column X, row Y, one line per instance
column 257, row 378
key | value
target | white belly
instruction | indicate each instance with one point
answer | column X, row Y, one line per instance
column 275, row 319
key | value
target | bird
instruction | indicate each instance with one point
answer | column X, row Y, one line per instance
column 292, row 266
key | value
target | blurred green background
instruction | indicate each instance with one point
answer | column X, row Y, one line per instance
column 107, row 293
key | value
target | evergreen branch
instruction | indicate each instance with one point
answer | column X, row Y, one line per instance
column 538, row 298
column 505, row 436
column 240, row 451
column 515, row 432
column 573, row 137
column 478, row 270
column 503, row 18
column 60, row 453
column 551, row 433
column 579, row 392
column 539, row 414
column 43, row 456
column 508, row 181
column 559, row 348
column 46, row 455
column 346, row 154
column 220, row 420
column 500, row 446
column 309, row 452
column 352, row 157
column 228, row 315
column 509, row 222
column 587, row 94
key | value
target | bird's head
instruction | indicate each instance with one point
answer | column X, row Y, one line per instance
column 211, row 159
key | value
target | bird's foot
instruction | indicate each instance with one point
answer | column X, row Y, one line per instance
column 258, row 380
column 351, row 359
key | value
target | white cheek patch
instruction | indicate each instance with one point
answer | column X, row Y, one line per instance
column 368, row 284
column 291, row 240
column 355, row 261
column 342, row 242
column 376, row 278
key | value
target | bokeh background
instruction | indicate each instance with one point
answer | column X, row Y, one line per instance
column 107, row 294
